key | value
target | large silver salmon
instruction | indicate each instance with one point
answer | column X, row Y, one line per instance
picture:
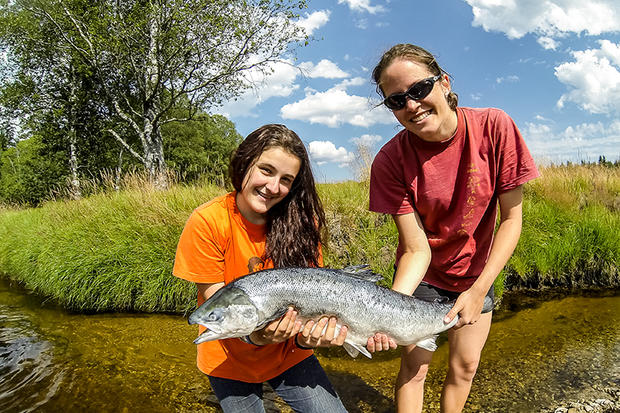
column 252, row 301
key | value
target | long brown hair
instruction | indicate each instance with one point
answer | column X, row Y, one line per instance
column 295, row 224
column 415, row 54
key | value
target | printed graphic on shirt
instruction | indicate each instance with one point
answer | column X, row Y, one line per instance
column 473, row 183
column 255, row 264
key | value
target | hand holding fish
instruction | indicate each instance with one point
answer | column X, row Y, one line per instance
column 325, row 334
column 278, row 330
column 468, row 306
column 380, row 342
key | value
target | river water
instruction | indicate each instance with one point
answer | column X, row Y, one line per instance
column 540, row 353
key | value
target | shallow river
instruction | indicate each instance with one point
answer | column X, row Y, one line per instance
column 539, row 352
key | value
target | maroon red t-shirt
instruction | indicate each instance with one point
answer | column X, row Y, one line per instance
column 453, row 185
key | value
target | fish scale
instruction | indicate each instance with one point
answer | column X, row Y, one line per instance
column 250, row 302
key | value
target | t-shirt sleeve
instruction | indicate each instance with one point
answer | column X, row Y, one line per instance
column 388, row 191
column 516, row 165
column 200, row 255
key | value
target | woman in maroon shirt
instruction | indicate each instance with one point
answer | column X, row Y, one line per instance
column 441, row 179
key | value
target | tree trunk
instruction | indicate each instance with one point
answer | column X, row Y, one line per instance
column 151, row 138
column 75, row 191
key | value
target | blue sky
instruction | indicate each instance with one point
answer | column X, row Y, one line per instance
column 552, row 65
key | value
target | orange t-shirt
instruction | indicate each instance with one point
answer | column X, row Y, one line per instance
column 219, row 244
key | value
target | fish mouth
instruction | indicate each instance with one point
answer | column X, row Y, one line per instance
column 207, row 335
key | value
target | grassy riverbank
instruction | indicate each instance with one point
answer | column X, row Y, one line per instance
column 114, row 251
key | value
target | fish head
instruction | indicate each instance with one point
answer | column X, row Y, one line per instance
column 227, row 313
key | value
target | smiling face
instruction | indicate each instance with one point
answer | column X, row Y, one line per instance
column 430, row 118
column 266, row 183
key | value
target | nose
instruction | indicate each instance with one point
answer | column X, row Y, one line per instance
column 273, row 185
column 411, row 104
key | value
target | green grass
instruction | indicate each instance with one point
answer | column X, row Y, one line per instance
column 114, row 251
column 108, row 252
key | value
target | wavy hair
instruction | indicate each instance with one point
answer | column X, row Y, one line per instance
column 415, row 54
column 295, row 224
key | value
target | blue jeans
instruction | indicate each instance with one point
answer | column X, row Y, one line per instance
column 305, row 387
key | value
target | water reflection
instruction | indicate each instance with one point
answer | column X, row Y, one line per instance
column 29, row 375
column 52, row 360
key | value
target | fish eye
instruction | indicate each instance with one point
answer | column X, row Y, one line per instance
column 213, row 316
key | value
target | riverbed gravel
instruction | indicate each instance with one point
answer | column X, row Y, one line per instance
column 606, row 400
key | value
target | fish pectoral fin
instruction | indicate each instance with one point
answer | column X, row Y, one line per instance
column 268, row 320
column 428, row 343
column 355, row 349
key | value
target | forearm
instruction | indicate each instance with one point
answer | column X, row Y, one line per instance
column 504, row 244
column 411, row 269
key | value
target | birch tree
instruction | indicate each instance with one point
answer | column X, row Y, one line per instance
column 149, row 56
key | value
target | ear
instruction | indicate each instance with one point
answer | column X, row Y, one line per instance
column 445, row 84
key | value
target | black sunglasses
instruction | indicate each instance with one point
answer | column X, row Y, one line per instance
column 418, row 91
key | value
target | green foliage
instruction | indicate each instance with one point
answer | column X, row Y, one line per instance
column 28, row 172
column 97, row 75
column 201, row 148
column 356, row 235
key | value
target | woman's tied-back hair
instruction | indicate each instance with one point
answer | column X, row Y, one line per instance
column 294, row 225
column 414, row 54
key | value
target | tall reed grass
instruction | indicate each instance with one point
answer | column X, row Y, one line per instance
column 571, row 230
column 111, row 251
column 114, row 250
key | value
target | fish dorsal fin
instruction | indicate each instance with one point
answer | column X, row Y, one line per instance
column 355, row 349
column 363, row 272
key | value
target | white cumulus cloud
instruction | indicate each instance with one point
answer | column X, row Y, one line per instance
column 582, row 142
column 362, row 6
column 367, row 140
column 593, row 79
column 323, row 152
column 335, row 107
column 279, row 81
column 314, row 21
column 325, row 69
column 549, row 19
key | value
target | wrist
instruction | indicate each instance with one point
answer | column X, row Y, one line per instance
column 248, row 339
column 299, row 345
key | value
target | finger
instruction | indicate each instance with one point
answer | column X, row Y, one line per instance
column 318, row 330
column 451, row 314
column 342, row 336
column 370, row 345
column 285, row 321
column 331, row 330
column 393, row 344
column 379, row 342
column 290, row 326
column 385, row 345
column 296, row 327
column 307, row 329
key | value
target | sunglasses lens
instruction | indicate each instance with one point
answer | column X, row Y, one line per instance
column 396, row 102
column 416, row 92
column 421, row 89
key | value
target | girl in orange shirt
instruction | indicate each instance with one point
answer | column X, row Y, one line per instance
column 273, row 218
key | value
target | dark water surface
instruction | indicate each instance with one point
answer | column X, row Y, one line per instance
column 539, row 353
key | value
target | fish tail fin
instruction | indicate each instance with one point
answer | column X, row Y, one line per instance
column 355, row 349
column 428, row 343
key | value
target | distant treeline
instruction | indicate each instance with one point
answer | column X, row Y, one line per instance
column 114, row 250
column 36, row 169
